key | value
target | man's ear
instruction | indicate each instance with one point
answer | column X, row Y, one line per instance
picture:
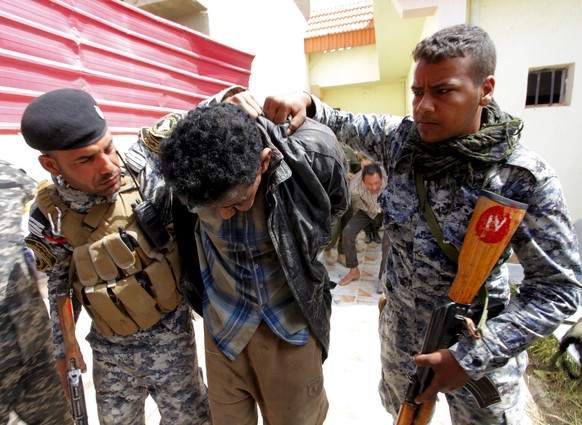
column 265, row 159
column 487, row 89
column 49, row 164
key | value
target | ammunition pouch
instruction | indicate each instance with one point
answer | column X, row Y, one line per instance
column 123, row 287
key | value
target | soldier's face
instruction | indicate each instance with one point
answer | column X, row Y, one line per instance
column 446, row 102
column 92, row 169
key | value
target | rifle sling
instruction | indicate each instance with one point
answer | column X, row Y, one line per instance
column 449, row 250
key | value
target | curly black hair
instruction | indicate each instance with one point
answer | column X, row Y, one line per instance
column 210, row 152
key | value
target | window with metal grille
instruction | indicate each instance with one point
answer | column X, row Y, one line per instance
column 546, row 87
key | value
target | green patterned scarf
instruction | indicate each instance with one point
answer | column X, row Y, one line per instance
column 459, row 157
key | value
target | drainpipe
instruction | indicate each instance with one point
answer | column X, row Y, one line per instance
column 474, row 13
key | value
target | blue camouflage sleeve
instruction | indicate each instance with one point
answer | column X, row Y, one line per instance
column 53, row 257
column 547, row 248
column 369, row 133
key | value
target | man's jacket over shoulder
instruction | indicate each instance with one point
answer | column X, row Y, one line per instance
column 307, row 193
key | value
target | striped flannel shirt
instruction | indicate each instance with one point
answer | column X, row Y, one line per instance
column 244, row 282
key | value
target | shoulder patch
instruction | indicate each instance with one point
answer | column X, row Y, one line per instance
column 153, row 136
column 37, row 222
column 43, row 258
column 135, row 159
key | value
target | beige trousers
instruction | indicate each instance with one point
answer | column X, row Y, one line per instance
column 285, row 381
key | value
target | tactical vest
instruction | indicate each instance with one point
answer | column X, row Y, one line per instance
column 124, row 282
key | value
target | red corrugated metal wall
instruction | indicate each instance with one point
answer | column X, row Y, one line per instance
column 138, row 66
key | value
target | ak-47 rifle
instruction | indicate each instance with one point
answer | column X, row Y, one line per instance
column 494, row 221
column 74, row 379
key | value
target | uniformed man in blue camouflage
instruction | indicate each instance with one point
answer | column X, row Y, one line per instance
column 29, row 384
column 135, row 352
column 459, row 141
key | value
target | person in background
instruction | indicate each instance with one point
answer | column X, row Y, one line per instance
column 265, row 205
column 457, row 142
column 29, row 384
column 355, row 161
column 365, row 186
column 372, row 232
column 86, row 238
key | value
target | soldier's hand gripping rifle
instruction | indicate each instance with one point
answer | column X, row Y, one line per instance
column 74, row 379
column 494, row 221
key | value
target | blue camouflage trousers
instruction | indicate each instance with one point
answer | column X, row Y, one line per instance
column 398, row 365
column 156, row 362
column 33, row 391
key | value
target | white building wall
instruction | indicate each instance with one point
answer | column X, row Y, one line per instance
column 367, row 99
column 356, row 65
column 273, row 31
column 537, row 33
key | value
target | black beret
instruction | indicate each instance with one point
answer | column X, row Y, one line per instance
column 62, row 119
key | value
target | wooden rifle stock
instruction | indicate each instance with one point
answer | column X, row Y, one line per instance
column 493, row 223
column 74, row 379
column 413, row 414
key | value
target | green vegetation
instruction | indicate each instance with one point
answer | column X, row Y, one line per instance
column 557, row 396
